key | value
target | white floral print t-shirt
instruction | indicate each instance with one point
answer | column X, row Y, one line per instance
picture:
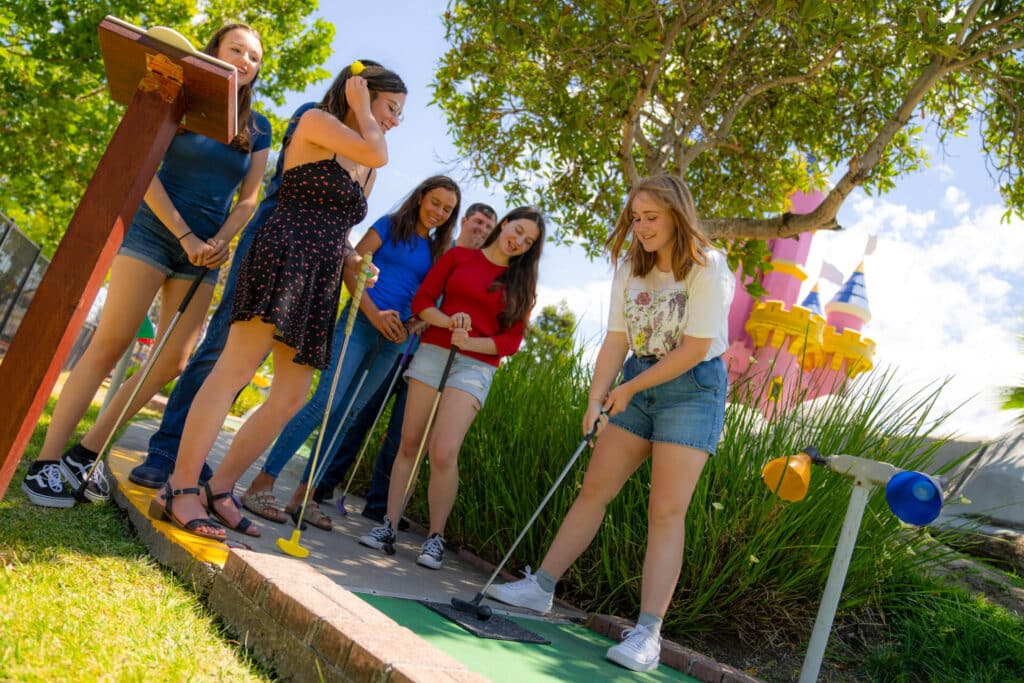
column 656, row 311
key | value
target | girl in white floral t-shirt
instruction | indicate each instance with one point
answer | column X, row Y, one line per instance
column 669, row 306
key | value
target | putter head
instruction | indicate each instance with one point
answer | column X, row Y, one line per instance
column 291, row 546
column 340, row 503
column 481, row 612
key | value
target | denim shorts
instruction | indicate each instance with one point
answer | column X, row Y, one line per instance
column 157, row 247
column 468, row 374
column 686, row 411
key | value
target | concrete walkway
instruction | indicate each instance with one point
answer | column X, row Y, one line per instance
column 306, row 617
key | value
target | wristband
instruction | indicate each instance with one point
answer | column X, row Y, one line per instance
column 185, row 235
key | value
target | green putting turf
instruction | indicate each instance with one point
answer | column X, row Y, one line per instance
column 575, row 653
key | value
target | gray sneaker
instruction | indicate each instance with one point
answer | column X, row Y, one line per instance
column 44, row 486
column 432, row 552
column 639, row 650
column 379, row 536
column 523, row 593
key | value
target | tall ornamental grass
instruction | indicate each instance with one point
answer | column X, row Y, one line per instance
column 752, row 561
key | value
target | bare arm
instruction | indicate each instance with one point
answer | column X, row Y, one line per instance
column 387, row 322
column 163, row 208
column 677, row 361
column 318, row 131
column 606, row 369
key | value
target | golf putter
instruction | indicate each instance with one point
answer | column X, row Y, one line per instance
column 291, row 546
column 81, row 492
column 483, row 612
column 325, row 462
column 389, row 548
column 402, row 364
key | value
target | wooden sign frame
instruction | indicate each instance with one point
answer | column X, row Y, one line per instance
column 166, row 86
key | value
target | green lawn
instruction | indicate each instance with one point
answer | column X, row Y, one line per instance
column 80, row 599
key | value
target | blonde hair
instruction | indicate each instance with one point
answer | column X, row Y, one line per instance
column 689, row 241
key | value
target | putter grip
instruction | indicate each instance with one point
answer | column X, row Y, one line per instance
column 353, row 310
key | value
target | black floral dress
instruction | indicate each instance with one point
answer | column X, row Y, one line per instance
column 291, row 276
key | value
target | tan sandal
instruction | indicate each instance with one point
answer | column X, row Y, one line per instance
column 263, row 503
column 314, row 515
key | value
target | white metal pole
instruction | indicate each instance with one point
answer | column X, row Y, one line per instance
column 836, row 579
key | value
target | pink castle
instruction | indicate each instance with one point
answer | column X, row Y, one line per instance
column 782, row 353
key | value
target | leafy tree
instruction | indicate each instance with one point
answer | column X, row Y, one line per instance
column 551, row 333
column 565, row 103
column 55, row 115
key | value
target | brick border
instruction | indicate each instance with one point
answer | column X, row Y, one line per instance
column 309, row 628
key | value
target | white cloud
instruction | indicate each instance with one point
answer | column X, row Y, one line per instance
column 942, row 301
column 956, row 201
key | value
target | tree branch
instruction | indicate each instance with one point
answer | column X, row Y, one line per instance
column 629, row 122
column 981, row 56
column 994, row 26
column 972, row 12
column 786, row 225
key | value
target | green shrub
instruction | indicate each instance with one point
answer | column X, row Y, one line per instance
column 752, row 561
column 247, row 400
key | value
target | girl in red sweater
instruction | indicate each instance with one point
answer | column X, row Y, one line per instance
column 487, row 297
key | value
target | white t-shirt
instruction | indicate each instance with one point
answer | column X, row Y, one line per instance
column 655, row 311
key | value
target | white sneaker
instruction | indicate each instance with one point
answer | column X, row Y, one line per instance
column 639, row 650
column 523, row 593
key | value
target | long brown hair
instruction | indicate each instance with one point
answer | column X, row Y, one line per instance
column 404, row 219
column 242, row 141
column 378, row 79
column 689, row 242
column 519, row 280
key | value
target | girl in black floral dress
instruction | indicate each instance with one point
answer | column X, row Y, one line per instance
column 288, row 289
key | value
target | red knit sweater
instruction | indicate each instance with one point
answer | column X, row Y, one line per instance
column 463, row 277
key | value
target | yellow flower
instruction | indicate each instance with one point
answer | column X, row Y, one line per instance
column 356, row 68
column 639, row 340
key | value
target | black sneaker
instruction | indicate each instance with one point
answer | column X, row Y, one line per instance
column 43, row 485
column 379, row 536
column 432, row 552
column 76, row 464
column 378, row 516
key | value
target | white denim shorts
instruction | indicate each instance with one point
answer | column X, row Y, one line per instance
column 468, row 374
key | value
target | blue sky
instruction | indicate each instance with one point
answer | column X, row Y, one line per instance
column 943, row 283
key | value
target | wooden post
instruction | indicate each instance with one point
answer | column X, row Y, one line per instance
column 163, row 82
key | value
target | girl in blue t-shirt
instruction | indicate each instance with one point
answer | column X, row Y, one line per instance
column 185, row 224
column 404, row 245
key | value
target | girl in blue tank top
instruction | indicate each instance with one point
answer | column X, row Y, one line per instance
column 184, row 226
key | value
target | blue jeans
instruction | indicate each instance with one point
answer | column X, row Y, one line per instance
column 368, row 352
column 362, row 422
column 165, row 443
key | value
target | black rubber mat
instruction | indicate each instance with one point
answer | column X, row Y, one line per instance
column 495, row 628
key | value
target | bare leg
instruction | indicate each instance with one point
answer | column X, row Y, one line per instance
column 287, row 395
column 168, row 365
column 417, row 411
column 676, row 470
column 454, row 416
column 248, row 343
column 261, row 482
column 616, row 457
column 133, row 285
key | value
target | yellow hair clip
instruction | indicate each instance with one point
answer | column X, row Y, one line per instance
column 357, row 68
